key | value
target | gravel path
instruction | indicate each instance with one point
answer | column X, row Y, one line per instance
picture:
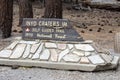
column 6, row 73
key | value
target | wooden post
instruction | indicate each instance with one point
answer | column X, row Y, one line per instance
column 117, row 43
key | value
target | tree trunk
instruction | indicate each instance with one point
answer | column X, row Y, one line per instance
column 53, row 9
column 76, row 2
column 25, row 10
column 6, row 17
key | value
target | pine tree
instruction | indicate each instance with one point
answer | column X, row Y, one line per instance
column 6, row 17
column 25, row 10
column 53, row 9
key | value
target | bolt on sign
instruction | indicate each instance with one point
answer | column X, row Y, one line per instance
column 49, row 29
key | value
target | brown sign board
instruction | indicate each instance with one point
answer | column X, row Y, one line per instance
column 49, row 29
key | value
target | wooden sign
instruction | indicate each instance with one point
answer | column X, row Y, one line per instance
column 49, row 29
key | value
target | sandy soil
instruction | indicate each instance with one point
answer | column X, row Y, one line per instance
column 97, row 25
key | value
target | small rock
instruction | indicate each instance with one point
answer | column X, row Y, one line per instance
column 34, row 48
column 96, row 59
column 71, row 58
column 54, row 55
column 18, row 52
column 70, row 46
column 87, row 53
column 27, row 51
column 30, row 56
column 78, row 26
column 37, row 54
column 87, row 42
column 28, row 42
column 84, row 47
column 45, row 55
column 13, row 45
column 15, row 67
column 63, row 53
column 79, row 53
column 50, row 45
column 62, row 46
column 115, row 61
column 107, row 58
column 84, row 60
column 5, row 53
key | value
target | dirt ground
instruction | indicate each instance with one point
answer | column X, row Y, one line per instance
column 97, row 25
